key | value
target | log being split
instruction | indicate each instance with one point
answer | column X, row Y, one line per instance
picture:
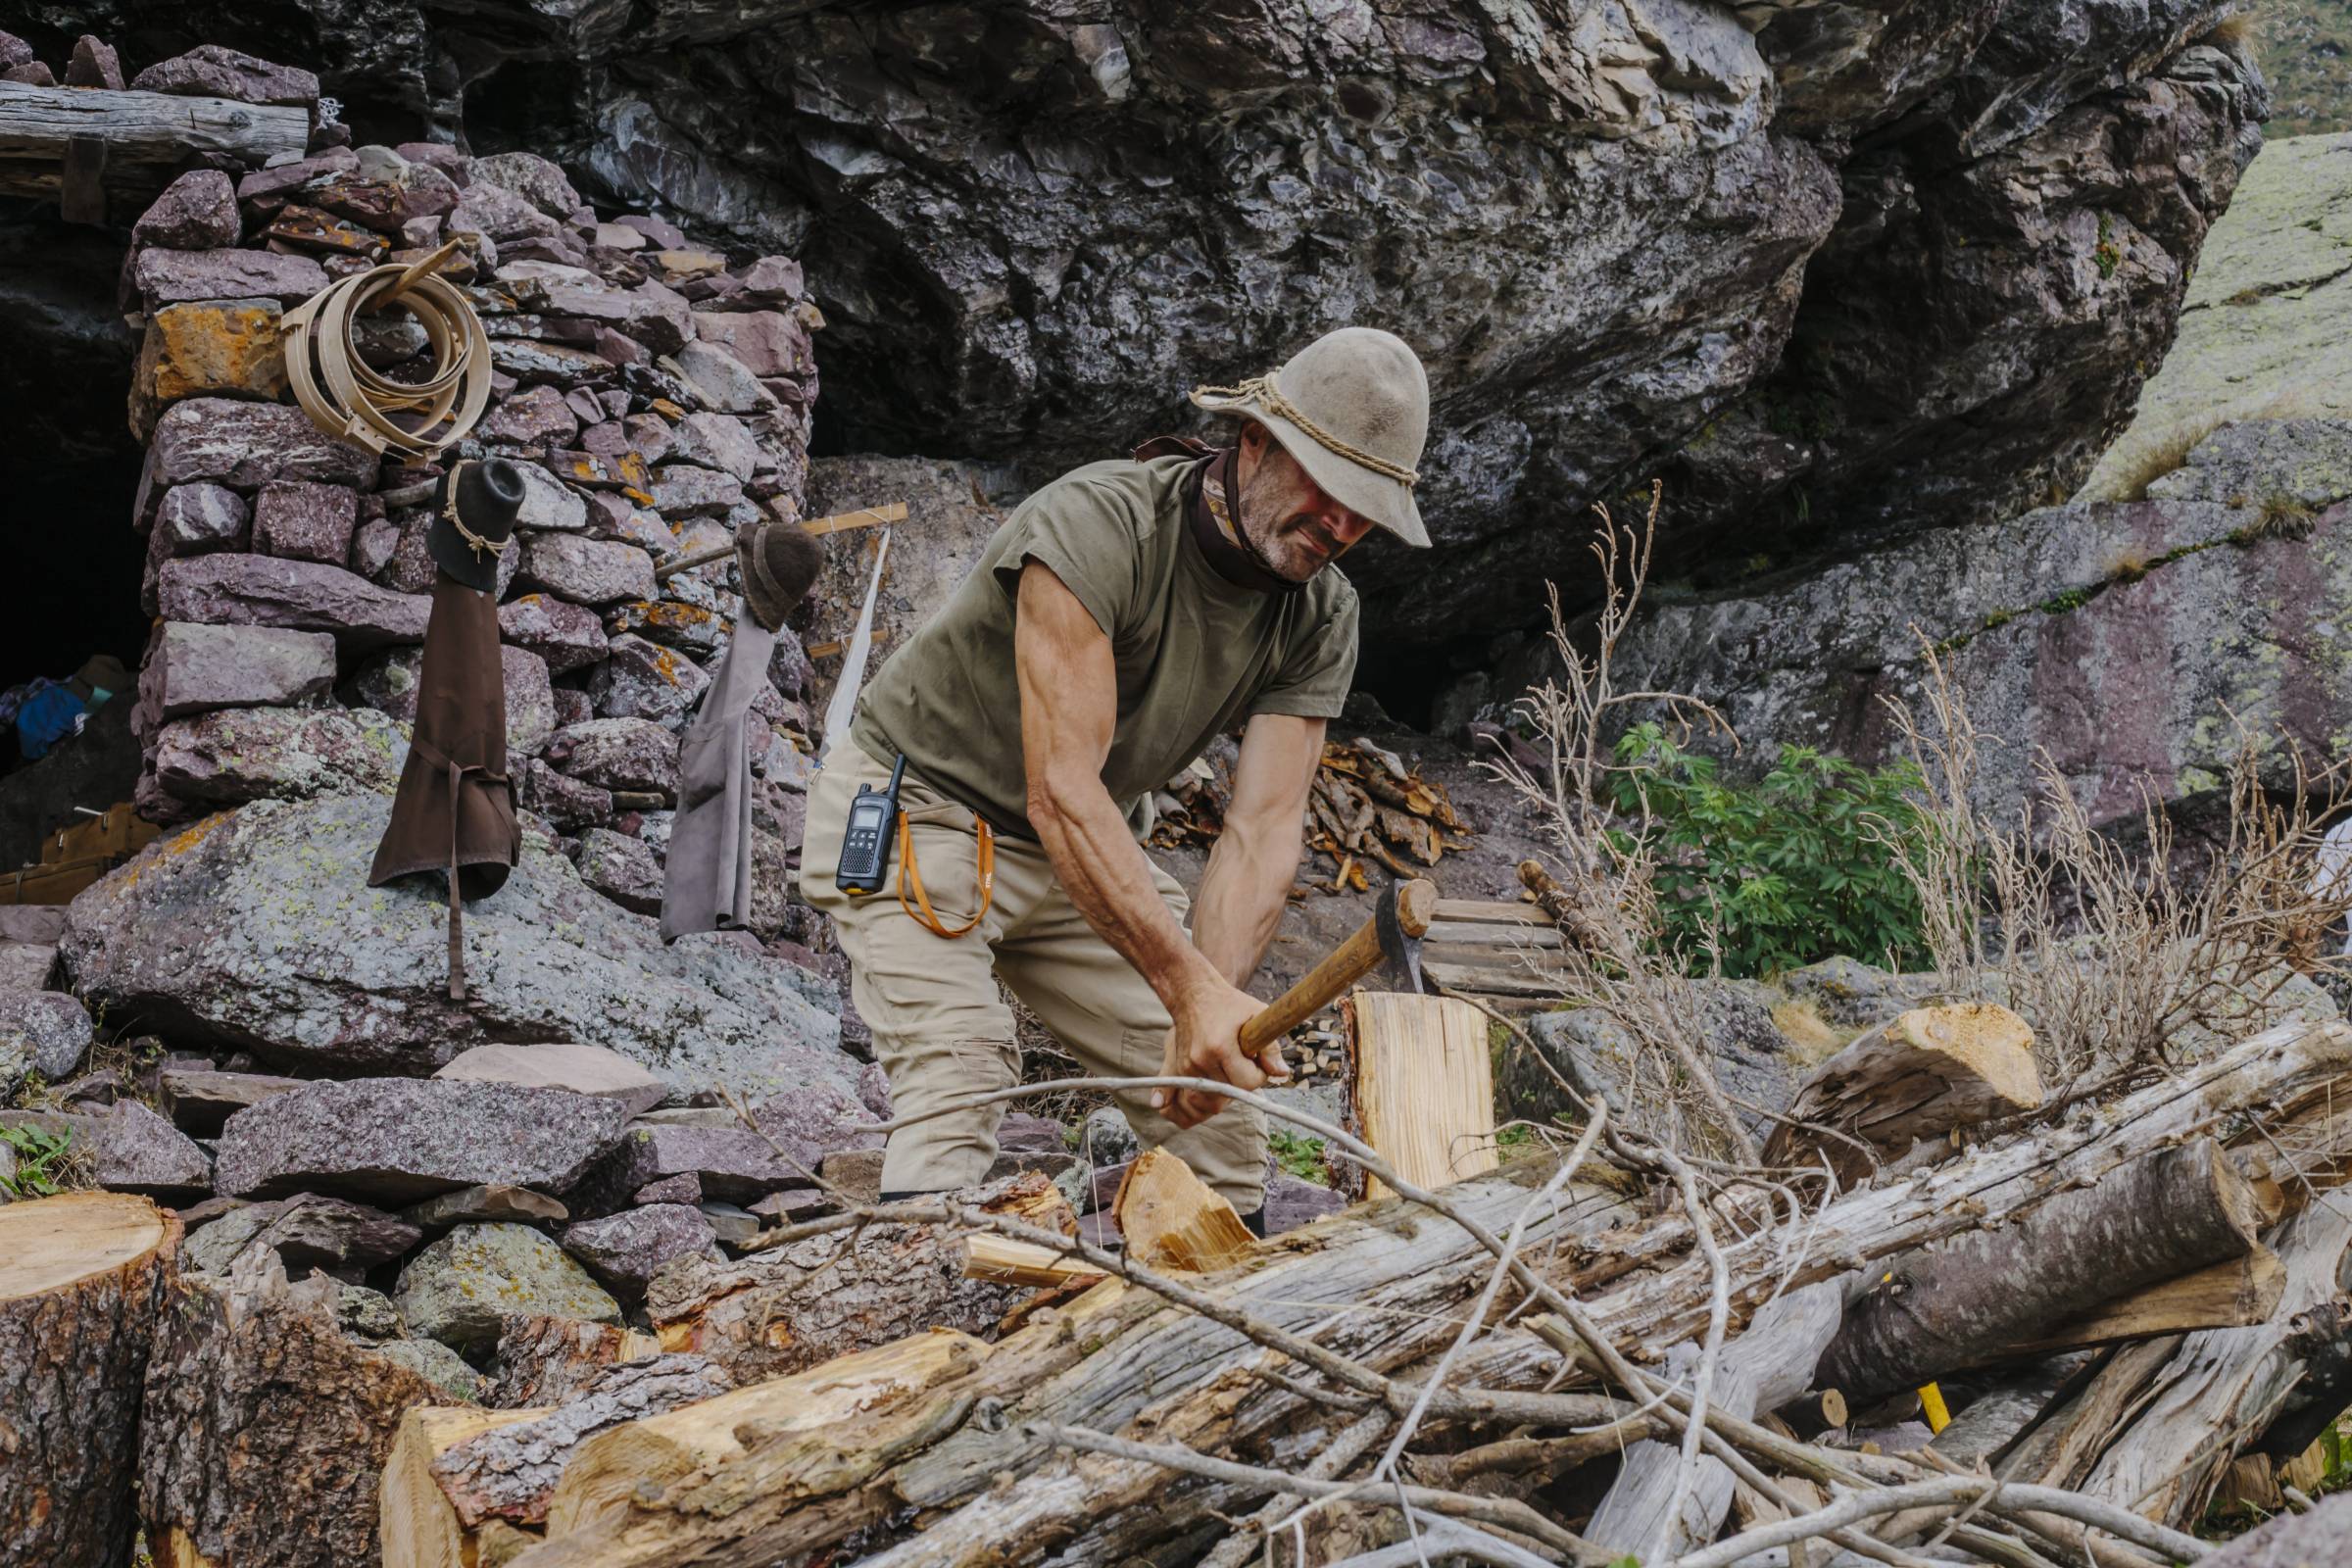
column 1951, row 1307
column 1171, row 1219
column 1919, row 1075
column 146, row 137
column 82, row 1281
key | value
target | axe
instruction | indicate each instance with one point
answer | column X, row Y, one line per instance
column 1391, row 936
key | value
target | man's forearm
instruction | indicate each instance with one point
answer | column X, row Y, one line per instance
column 1108, row 878
column 1243, row 894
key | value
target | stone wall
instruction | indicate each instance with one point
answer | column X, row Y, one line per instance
column 657, row 397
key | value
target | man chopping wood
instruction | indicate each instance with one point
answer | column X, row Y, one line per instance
column 1126, row 615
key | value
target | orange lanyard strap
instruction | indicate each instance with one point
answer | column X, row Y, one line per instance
column 909, row 873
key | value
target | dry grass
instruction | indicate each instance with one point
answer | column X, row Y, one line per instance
column 2120, row 956
column 2235, row 30
column 2145, row 457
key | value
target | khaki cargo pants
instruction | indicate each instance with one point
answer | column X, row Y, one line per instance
column 941, row 1030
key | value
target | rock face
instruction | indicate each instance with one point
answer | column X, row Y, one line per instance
column 401, row 1140
column 2263, row 333
column 2118, row 636
column 1861, row 267
column 461, row 1289
column 257, row 929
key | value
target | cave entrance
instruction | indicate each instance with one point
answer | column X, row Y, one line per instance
column 68, row 472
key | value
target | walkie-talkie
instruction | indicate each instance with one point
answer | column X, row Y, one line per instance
column 866, row 845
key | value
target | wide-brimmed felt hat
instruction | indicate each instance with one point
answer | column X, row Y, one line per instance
column 473, row 521
column 1353, row 409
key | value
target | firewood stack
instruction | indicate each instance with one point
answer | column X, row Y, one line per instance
column 1367, row 807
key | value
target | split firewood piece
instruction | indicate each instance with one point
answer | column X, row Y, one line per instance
column 1171, row 1219
column 1917, row 1076
column 789, row 1308
column 264, row 1431
column 607, row 1471
column 1005, row 1261
column 83, row 1279
column 2232, row 1294
column 419, row 1526
column 1964, row 1301
column 509, row 1473
column 1423, row 1093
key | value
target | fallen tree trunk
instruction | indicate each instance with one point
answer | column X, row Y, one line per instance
column 2236, row 1294
column 975, row 1458
column 263, row 1432
column 146, row 137
column 1957, row 1305
column 82, row 1281
column 1918, row 1075
column 2221, row 1388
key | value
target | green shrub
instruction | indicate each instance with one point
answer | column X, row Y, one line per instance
column 1783, row 871
column 1300, row 1154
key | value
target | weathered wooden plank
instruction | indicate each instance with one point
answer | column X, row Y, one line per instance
column 147, row 137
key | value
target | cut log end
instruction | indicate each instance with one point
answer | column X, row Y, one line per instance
column 48, row 1247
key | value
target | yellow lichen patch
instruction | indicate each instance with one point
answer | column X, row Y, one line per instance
column 209, row 347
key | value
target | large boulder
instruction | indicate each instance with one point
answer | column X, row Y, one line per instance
column 1831, row 263
column 257, row 929
column 402, row 1140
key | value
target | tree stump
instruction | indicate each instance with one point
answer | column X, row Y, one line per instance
column 82, row 1281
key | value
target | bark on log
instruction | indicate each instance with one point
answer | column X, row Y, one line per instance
column 2236, row 1294
column 264, row 1431
column 1919, row 1075
column 1171, row 1219
column 1770, row 1363
column 991, row 1489
column 511, row 1472
column 789, row 1308
column 2222, row 1384
column 1948, row 1307
column 148, row 137
column 83, row 1279
column 553, row 1360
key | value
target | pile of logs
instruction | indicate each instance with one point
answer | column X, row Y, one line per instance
column 1367, row 807
column 1599, row 1352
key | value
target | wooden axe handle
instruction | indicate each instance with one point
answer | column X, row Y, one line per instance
column 1349, row 962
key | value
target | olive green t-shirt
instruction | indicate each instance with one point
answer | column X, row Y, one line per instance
column 1196, row 653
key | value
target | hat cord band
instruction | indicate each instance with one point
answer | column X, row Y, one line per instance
column 448, row 511
column 1264, row 391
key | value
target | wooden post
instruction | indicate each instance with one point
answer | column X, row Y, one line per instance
column 1423, row 1086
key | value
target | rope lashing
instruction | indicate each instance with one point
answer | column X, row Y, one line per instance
column 1262, row 390
column 347, row 398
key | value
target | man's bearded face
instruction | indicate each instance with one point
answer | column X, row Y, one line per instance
column 1288, row 524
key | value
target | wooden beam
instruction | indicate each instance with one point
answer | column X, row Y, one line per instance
column 862, row 517
column 1424, row 1088
column 142, row 139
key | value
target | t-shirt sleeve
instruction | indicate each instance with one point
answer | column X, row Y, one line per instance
column 1082, row 536
column 1313, row 681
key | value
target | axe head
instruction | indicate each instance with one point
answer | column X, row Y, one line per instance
column 1401, row 918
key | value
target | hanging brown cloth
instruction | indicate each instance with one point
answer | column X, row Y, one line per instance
column 455, row 810
column 707, row 881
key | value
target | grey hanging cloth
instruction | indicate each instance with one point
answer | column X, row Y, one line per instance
column 454, row 811
column 706, row 885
